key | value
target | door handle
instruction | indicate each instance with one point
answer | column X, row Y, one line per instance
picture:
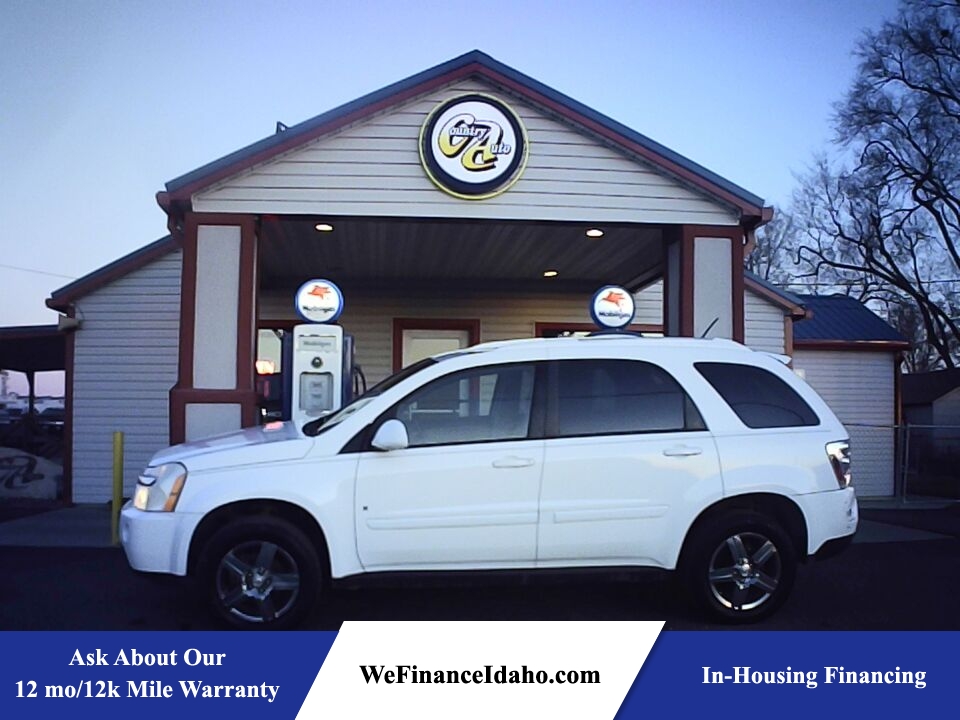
column 682, row 451
column 513, row 461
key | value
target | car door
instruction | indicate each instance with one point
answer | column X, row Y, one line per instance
column 627, row 458
column 464, row 493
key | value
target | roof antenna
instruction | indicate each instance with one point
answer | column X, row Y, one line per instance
column 710, row 327
column 280, row 128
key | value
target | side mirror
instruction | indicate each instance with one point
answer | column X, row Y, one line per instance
column 392, row 435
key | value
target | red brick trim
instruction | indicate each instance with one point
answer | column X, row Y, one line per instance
column 68, row 376
column 245, row 391
column 686, row 281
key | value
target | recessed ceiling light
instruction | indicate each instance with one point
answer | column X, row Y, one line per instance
column 594, row 233
column 323, row 227
column 550, row 273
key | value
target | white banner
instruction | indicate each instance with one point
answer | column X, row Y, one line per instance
column 489, row 670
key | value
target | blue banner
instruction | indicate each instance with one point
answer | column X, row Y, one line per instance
column 185, row 675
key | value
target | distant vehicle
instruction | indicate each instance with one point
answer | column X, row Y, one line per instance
column 10, row 415
column 699, row 456
column 52, row 417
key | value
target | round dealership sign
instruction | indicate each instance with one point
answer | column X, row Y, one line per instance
column 473, row 146
column 612, row 307
column 319, row 301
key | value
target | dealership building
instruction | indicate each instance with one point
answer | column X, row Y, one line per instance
column 465, row 204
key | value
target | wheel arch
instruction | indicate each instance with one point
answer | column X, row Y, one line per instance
column 225, row 514
column 780, row 508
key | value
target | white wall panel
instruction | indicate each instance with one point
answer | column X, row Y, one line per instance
column 713, row 288
column 859, row 388
column 125, row 362
column 218, row 296
column 763, row 326
column 207, row 419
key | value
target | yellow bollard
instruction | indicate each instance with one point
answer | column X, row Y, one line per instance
column 117, row 487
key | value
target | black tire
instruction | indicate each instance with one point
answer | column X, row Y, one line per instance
column 739, row 567
column 260, row 572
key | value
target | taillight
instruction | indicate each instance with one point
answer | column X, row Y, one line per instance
column 839, row 454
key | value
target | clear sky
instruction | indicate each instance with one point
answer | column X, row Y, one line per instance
column 103, row 101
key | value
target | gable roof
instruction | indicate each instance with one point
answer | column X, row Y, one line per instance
column 481, row 65
column 924, row 388
column 843, row 319
column 61, row 299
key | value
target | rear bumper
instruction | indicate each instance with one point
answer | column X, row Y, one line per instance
column 833, row 547
column 832, row 517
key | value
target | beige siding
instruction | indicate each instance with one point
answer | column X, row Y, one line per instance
column 125, row 363
column 373, row 168
column 502, row 317
column 762, row 324
column 859, row 388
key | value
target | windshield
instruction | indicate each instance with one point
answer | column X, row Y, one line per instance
column 315, row 427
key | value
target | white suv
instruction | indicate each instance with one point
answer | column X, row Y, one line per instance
column 611, row 451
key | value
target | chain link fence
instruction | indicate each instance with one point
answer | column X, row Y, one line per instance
column 911, row 462
column 929, row 461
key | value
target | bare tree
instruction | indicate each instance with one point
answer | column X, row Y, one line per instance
column 888, row 229
column 773, row 255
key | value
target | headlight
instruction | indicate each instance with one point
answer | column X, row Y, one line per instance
column 158, row 488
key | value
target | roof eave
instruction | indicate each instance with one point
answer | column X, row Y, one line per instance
column 864, row 345
column 62, row 298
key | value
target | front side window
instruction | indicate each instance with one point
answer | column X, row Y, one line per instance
column 477, row 405
column 607, row 397
column 758, row 397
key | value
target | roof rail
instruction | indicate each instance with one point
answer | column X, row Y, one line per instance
column 615, row 333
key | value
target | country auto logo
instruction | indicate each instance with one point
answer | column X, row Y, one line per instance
column 473, row 146
column 612, row 307
column 319, row 301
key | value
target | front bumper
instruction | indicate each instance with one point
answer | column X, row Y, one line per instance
column 831, row 515
column 156, row 542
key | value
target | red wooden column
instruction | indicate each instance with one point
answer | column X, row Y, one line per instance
column 703, row 281
column 215, row 390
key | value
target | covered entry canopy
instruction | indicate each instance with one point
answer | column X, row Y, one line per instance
column 393, row 254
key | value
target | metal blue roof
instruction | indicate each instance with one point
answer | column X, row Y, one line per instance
column 843, row 319
column 474, row 57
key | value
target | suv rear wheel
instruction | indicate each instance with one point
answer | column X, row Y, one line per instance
column 740, row 567
column 260, row 572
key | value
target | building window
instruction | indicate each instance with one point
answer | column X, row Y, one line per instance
column 417, row 338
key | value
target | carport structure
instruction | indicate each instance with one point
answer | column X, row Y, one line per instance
column 31, row 349
column 347, row 196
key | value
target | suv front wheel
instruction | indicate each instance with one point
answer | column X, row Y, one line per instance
column 260, row 572
column 739, row 567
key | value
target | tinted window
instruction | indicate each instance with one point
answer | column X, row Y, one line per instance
column 597, row 397
column 758, row 397
column 478, row 405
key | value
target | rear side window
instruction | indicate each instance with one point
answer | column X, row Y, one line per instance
column 608, row 397
column 758, row 397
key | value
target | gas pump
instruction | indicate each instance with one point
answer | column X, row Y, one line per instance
column 318, row 357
